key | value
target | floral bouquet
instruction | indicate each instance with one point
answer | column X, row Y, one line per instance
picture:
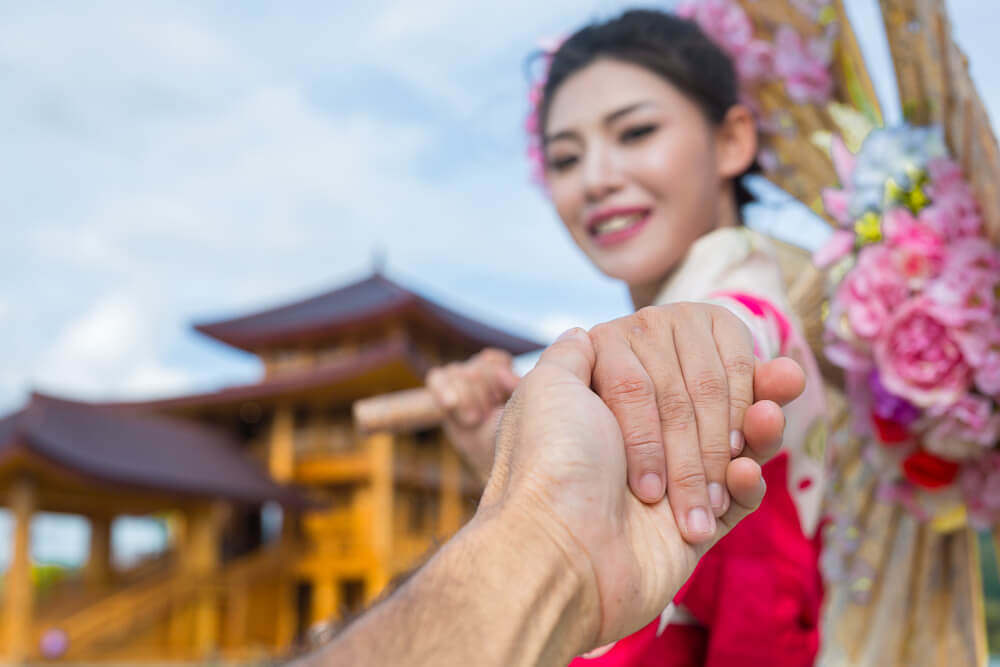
column 913, row 318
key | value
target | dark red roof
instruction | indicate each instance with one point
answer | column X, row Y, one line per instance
column 139, row 449
column 332, row 373
column 361, row 303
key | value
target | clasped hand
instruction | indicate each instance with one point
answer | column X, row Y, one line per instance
column 563, row 450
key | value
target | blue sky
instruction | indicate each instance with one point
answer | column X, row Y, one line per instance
column 171, row 162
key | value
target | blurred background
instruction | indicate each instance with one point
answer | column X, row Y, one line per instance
column 173, row 162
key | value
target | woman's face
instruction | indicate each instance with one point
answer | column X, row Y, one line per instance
column 634, row 170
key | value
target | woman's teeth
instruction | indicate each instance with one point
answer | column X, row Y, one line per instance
column 617, row 223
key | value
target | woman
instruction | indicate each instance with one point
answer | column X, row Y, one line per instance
column 644, row 141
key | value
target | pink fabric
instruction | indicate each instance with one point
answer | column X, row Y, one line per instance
column 761, row 308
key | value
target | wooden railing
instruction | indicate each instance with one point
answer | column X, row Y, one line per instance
column 113, row 619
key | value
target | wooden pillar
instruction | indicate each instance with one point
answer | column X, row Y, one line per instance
column 325, row 599
column 451, row 491
column 281, row 453
column 380, row 448
column 287, row 618
column 237, row 613
column 18, row 589
column 202, row 563
column 97, row 571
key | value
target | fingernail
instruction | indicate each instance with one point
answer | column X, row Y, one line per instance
column 572, row 332
column 700, row 522
column 716, row 495
column 651, row 486
column 735, row 442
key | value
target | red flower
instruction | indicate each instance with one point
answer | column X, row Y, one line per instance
column 888, row 431
column 929, row 471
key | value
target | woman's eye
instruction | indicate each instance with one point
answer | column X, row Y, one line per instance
column 562, row 163
column 634, row 134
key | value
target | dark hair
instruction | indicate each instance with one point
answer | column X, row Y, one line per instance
column 673, row 47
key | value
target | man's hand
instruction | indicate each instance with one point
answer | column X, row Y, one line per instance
column 679, row 380
column 561, row 468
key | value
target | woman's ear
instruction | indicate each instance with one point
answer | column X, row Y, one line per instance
column 736, row 142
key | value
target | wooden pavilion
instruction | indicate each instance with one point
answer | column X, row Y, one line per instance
column 357, row 511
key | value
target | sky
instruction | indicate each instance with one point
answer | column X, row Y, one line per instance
column 173, row 162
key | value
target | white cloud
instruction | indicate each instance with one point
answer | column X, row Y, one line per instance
column 110, row 351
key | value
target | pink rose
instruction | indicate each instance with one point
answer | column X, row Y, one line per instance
column 804, row 66
column 918, row 250
column 919, row 358
column 966, row 288
column 981, row 346
column 871, row 292
column 963, row 430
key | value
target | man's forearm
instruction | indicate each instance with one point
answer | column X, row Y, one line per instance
column 496, row 594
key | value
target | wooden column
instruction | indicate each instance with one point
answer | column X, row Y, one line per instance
column 97, row 571
column 287, row 617
column 18, row 589
column 451, row 490
column 380, row 448
column 325, row 599
column 202, row 563
column 281, row 454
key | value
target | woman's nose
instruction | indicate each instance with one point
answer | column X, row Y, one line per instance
column 601, row 177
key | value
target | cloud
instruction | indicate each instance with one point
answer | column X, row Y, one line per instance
column 111, row 350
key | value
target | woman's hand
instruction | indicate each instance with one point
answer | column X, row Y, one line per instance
column 680, row 380
column 472, row 394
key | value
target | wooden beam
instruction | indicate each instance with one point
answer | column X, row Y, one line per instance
column 18, row 588
column 325, row 599
column 202, row 560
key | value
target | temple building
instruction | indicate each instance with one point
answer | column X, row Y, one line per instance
column 356, row 511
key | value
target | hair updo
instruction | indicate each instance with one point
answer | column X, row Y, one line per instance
column 670, row 46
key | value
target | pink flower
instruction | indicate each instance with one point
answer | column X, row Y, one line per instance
column 871, row 292
column 918, row 250
column 836, row 202
column 919, row 358
column 953, row 212
column 964, row 430
column 966, row 287
column 727, row 24
column 980, row 483
column 803, row 66
column 840, row 245
column 981, row 346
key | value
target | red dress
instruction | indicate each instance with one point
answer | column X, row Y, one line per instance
column 757, row 595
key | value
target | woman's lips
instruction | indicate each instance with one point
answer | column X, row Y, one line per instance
column 619, row 228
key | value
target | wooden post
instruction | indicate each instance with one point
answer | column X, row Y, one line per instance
column 287, row 618
column 281, row 455
column 19, row 590
column 451, row 491
column 202, row 562
column 325, row 599
column 380, row 448
column 97, row 571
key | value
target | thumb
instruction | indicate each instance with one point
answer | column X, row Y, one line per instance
column 574, row 352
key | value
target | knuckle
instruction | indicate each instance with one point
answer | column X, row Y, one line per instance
column 627, row 391
column 688, row 477
column 647, row 318
column 740, row 365
column 708, row 389
column 643, row 447
column 676, row 410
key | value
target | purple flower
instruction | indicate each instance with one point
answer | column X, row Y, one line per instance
column 887, row 405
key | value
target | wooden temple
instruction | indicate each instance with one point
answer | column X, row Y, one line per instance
column 355, row 511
